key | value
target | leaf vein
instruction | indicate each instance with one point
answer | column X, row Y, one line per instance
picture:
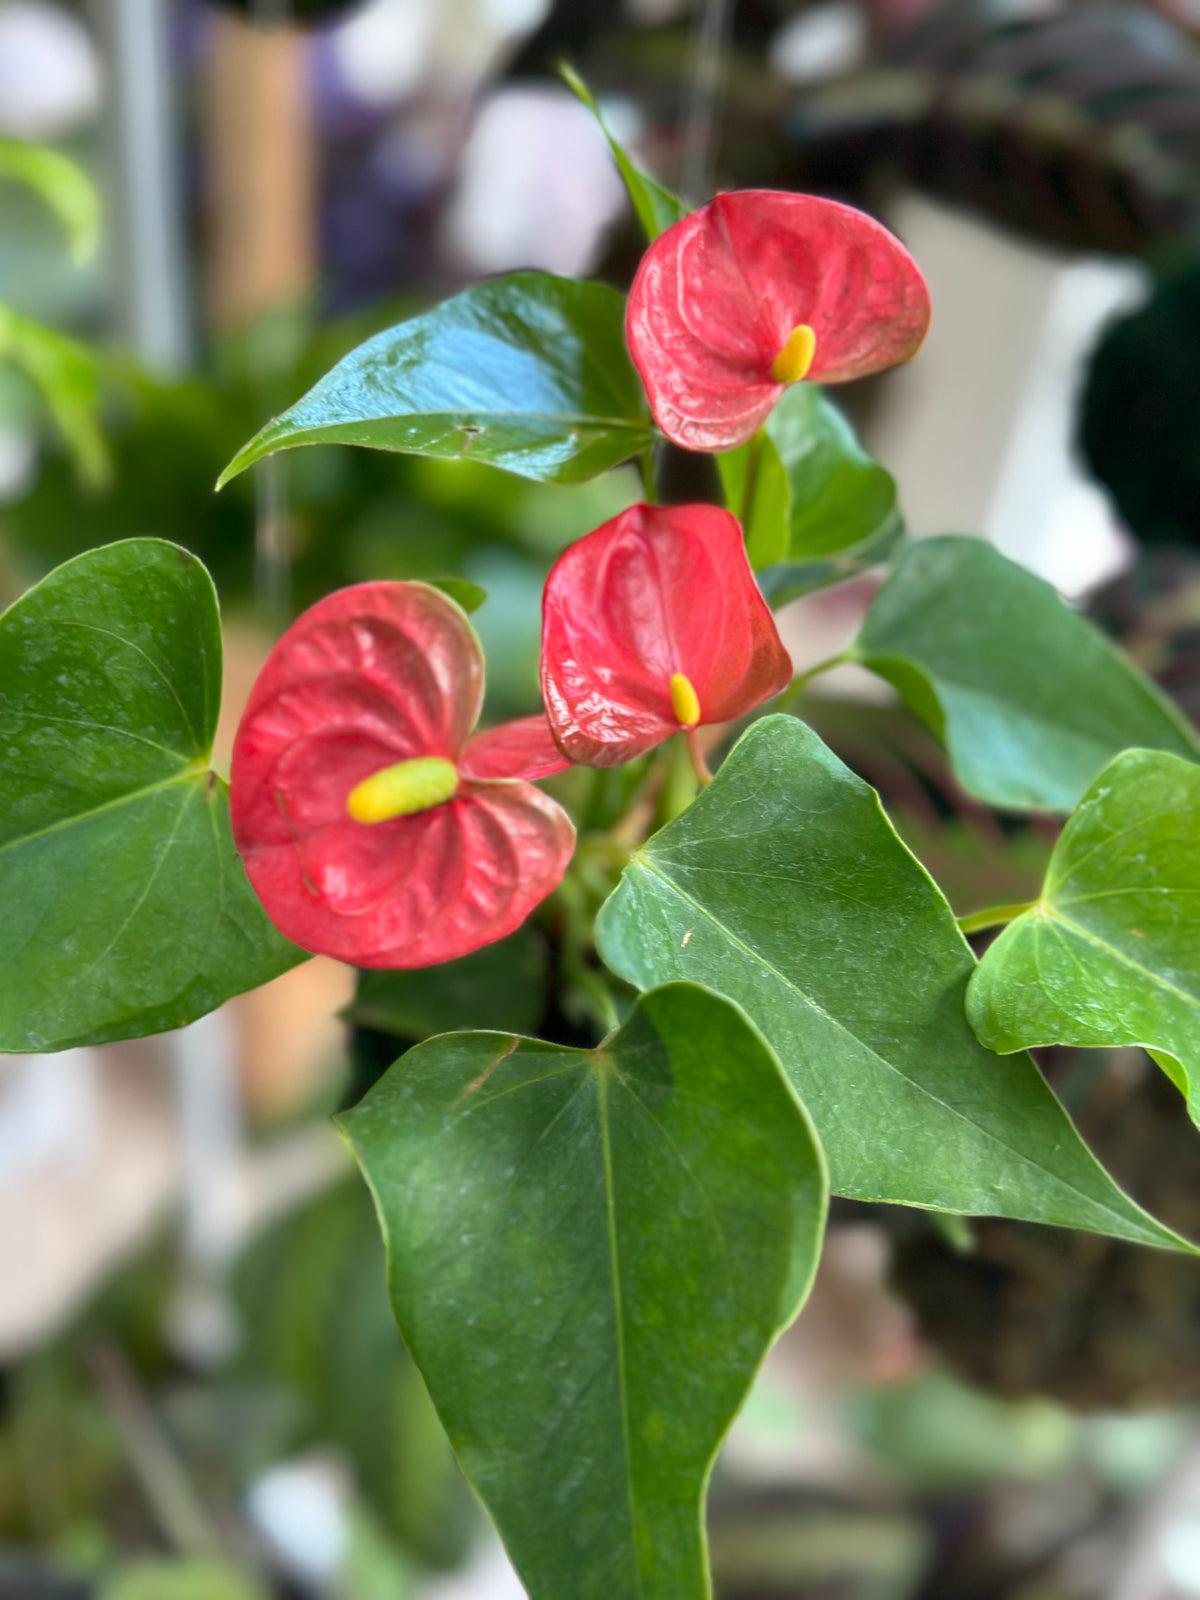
column 954, row 1111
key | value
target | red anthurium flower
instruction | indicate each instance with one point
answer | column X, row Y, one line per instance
column 371, row 827
column 757, row 290
column 650, row 625
column 521, row 749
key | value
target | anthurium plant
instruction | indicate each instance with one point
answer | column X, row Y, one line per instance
column 753, row 994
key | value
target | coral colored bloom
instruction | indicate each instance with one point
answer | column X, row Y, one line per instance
column 652, row 624
column 521, row 749
column 757, row 290
column 371, row 827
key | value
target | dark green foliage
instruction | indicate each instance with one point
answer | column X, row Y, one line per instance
column 1138, row 424
column 785, row 887
column 589, row 1254
column 1030, row 700
column 128, row 909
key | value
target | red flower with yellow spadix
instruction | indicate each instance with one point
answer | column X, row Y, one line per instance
column 756, row 291
column 372, row 827
column 653, row 625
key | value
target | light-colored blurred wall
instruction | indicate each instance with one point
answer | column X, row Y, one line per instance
column 978, row 429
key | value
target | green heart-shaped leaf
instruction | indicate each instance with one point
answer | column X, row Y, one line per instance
column 1110, row 953
column 528, row 373
column 589, row 1254
column 785, row 886
column 815, row 506
column 126, row 909
column 1030, row 699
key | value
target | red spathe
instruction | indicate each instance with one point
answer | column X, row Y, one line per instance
column 370, row 676
column 718, row 294
column 521, row 749
column 657, row 591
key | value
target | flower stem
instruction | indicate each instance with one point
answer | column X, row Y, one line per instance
column 646, row 463
column 750, row 482
column 575, row 948
column 798, row 684
column 994, row 917
column 696, row 757
column 956, row 1231
column 678, row 788
column 631, row 829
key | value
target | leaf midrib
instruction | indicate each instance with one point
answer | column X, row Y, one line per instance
column 1056, row 881
column 132, row 644
column 601, row 1075
column 191, row 774
column 587, row 420
column 100, row 727
column 768, row 966
column 1052, row 914
column 147, row 887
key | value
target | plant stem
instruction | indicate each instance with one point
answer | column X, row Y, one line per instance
column 632, row 828
column 750, row 483
column 678, row 788
column 572, row 895
column 696, row 757
column 646, row 463
column 955, row 1230
column 175, row 1504
column 994, row 917
column 608, row 1006
column 793, row 691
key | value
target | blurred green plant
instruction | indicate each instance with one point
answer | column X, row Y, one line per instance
column 64, row 372
column 317, row 1323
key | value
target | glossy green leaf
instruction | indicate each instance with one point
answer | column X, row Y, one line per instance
column 791, row 580
column 784, row 886
column 126, row 909
column 809, row 496
column 62, row 184
column 67, row 376
column 589, row 1253
column 501, row 987
column 656, row 207
column 759, row 494
column 1030, row 699
column 528, row 373
column 1110, row 952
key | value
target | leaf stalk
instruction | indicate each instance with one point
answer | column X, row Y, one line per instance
column 993, row 917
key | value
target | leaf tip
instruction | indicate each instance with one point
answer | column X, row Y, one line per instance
column 254, row 450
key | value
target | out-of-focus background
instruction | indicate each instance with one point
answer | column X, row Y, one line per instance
column 203, row 1396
